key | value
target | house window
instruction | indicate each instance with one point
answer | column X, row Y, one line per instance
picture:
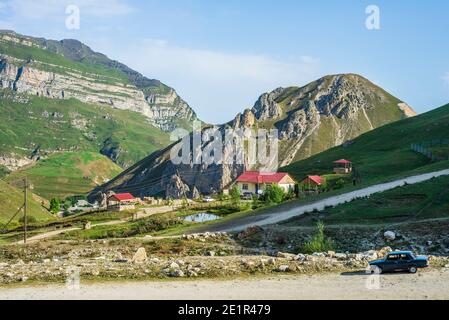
column 245, row 187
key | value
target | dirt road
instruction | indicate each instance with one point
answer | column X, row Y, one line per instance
column 290, row 210
column 429, row 284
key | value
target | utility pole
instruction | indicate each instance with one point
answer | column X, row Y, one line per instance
column 25, row 205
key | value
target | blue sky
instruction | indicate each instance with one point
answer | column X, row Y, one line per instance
column 221, row 55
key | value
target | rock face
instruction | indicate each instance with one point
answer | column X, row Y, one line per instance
column 123, row 89
column 323, row 114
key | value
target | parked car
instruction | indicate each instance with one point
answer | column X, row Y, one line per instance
column 208, row 199
column 247, row 196
column 400, row 261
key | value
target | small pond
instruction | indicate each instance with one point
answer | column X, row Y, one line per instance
column 202, row 217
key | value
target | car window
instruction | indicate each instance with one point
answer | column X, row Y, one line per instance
column 393, row 257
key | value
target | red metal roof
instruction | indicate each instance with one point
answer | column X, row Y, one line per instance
column 343, row 161
column 317, row 179
column 262, row 177
column 123, row 196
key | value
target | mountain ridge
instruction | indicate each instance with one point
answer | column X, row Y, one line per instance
column 310, row 119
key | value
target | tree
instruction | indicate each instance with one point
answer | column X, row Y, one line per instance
column 274, row 194
column 55, row 205
column 235, row 195
column 67, row 205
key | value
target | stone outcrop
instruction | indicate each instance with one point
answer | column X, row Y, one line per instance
column 159, row 103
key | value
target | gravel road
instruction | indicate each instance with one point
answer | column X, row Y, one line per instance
column 429, row 284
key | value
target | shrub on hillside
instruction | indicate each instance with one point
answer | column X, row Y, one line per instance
column 319, row 242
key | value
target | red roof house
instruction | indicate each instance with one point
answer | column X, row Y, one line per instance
column 342, row 166
column 312, row 183
column 255, row 181
column 122, row 202
column 123, row 197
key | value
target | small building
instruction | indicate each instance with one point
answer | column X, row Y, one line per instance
column 254, row 182
column 342, row 166
column 122, row 202
column 312, row 183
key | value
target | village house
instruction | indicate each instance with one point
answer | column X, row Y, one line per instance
column 122, row 202
column 312, row 184
column 342, row 166
column 254, row 182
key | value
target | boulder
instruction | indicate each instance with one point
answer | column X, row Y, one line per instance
column 383, row 252
column 140, row 256
column 87, row 225
column 288, row 256
column 173, row 265
column 389, row 235
column 177, row 273
column 341, row 256
column 283, row 268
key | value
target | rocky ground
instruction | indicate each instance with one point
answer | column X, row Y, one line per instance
column 422, row 237
column 214, row 255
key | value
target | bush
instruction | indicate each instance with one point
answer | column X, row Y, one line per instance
column 274, row 194
column 339, row 184
column 235, row 195
column 55, row 206
column 319, row 242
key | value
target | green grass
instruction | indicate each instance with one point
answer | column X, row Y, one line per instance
column 422, row 201
column 66, row 174
column 125, row 134
column 11, row 199
column 383, row 152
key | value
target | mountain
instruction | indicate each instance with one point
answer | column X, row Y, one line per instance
column 323, row 114
column 63, row 96
column 386, row 151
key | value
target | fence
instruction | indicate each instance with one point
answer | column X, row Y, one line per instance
column 424, row 149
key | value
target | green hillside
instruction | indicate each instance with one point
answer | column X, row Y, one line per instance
column 50, row 125
column 66, row 174
column 383, row 152
column 422, row 201
column 11, row 199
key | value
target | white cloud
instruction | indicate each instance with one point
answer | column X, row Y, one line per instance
column 51, row 9
column 217, row 85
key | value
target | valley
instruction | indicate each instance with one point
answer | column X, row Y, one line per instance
column 92, row 136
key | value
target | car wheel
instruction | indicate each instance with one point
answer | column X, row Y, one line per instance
column 413, row 270
column 376, row 270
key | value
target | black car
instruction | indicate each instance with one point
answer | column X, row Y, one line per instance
column 400, row 261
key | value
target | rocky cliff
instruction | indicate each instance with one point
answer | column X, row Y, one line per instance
column 69, row 69
column 323, row 114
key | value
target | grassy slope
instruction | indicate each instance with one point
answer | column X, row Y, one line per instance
column 425, row 200
column 11, row 199
column 128, row 130
column 383, row 152
column 68, row 173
